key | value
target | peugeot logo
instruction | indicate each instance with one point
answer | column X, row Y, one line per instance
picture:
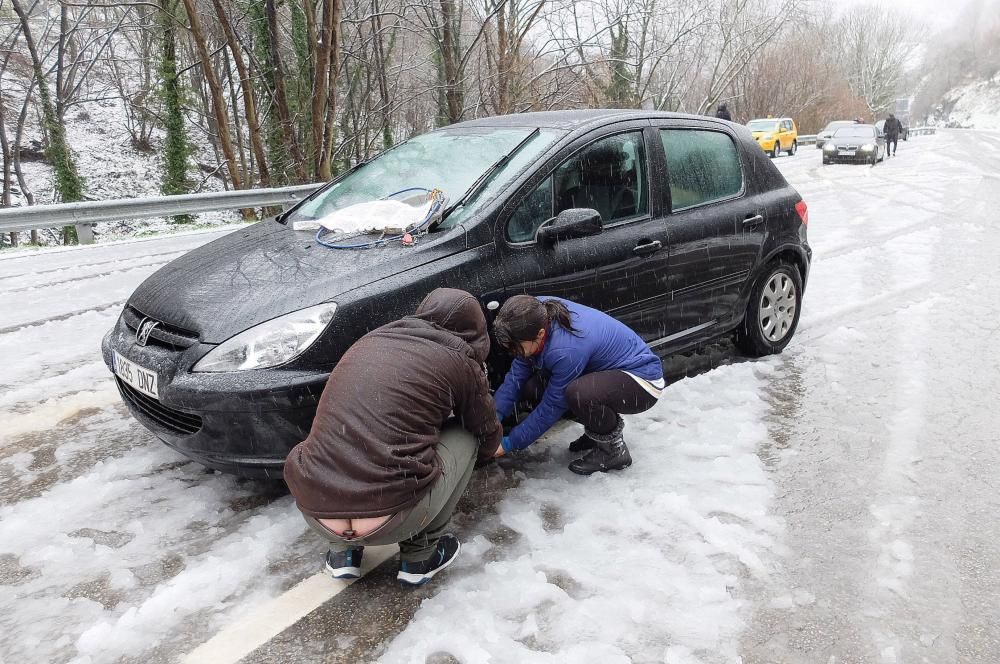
column 146, row 328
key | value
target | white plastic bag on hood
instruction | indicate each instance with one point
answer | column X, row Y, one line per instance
column 374, row 216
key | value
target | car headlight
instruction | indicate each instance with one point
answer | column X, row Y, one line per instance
column 830, row 147
column 269, row 344
column 867, row 147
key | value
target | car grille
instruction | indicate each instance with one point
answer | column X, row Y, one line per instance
column 848, row 147
column 176, row 421
column 164, row 334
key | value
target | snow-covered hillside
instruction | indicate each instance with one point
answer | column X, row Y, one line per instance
column 111, row 167
column 974, row 105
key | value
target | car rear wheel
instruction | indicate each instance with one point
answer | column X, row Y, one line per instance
column 793, row 149
column 776, row 150
column 773, row 311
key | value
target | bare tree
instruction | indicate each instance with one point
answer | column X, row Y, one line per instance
column 874, row 44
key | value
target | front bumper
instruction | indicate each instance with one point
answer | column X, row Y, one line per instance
column 859, row 156
column 241, row 422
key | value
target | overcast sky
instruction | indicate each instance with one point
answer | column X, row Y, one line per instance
column 937, row 14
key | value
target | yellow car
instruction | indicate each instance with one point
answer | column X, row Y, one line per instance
column 775, row 135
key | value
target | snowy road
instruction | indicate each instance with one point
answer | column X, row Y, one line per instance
column 834, row 504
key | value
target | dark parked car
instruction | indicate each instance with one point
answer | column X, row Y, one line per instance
column 859, row 144
column 678, row 225
column 827, row 133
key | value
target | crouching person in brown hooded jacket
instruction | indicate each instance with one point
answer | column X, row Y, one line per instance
column 381, row 465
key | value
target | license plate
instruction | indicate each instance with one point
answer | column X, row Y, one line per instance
column 138, row 377
column 846, row 153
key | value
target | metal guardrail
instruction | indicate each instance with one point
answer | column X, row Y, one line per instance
column 83, row 214
column 917, row 131
column 806, row 139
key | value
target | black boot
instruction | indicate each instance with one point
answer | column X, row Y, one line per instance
column 609, row 453
column 582, row 444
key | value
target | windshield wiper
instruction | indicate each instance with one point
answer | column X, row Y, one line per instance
column 484, row 179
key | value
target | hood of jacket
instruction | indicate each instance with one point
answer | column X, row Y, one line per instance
column 457, row 312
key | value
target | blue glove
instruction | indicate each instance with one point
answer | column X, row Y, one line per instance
column 505, row 443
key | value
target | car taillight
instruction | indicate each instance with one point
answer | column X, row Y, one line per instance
column 803, row 211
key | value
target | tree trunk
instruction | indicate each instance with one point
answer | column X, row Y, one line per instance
column 215, row 88
column 383, row 79
column 277, row 75
column 249, row 104
column 450, row 61
column 332, row 28
column 69, row 184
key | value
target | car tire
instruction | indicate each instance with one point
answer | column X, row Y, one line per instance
column 763, row 332
column 776, row 150
column 792, row 150
column 826, row 162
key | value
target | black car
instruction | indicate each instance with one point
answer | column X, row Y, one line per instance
column 859, row 144
column 677, row 225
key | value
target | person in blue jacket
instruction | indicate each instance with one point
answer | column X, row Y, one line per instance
column 571, row 357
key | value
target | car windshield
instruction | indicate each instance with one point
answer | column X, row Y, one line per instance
column 857, row 131
column 763, row 125
column 834, row 126
column 448, row 159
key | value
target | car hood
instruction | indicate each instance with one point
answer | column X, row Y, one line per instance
column 267, row 270
column 758, row 134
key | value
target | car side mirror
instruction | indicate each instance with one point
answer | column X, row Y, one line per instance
column 571, row 223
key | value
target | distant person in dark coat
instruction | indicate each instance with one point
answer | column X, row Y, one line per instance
column 723, row 113
column 892, row 129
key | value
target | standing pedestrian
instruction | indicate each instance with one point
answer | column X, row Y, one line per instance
column 892, row 128
column 571, row 357
column 723, row 113
column 381, row 465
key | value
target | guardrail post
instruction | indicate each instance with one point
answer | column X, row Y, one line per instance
column 85, row 233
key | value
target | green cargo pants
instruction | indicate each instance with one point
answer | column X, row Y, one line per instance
column 418, row 528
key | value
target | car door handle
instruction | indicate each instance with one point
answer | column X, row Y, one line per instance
column 755, row 220
column 647, row 248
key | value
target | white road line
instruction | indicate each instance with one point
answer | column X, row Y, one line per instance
column 239, row 640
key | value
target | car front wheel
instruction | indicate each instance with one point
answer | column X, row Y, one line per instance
column 776, row 150
column 773, row 311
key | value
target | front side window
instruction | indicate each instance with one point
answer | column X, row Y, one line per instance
column 608, row 176
column 704, row 166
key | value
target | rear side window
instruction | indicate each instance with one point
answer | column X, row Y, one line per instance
column 704, row 166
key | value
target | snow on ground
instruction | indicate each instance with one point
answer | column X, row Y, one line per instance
column 644, row 565
column 976, row 105
column 112, row 545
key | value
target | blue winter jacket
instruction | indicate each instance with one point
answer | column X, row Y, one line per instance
column 600, row 343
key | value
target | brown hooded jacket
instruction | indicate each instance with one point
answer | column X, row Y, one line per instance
column 371, row 448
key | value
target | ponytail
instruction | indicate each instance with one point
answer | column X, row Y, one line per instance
column 560, row 313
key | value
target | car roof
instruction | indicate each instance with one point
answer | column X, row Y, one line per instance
column 770, row 119
column 570, row 120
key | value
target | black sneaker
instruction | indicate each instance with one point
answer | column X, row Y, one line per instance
column 344, row 564
column 582, row 444
column 420, row 572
